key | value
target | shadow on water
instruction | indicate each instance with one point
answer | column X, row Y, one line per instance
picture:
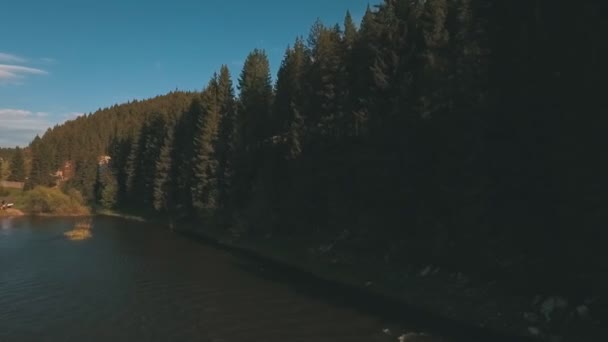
column 391, row 310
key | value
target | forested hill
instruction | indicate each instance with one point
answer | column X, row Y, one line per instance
column 461, row 132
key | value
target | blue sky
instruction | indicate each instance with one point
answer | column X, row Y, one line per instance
column 62, row 58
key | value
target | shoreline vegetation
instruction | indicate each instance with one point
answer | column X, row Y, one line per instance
column 45, row 202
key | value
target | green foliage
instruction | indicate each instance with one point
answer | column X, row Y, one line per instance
column 107, row 188
column 163, row 182
column 43, row 200
column 17, row 166
column 205, row 164
column 253, row 117
column 41, row 172
column 4, row 169
column 225, row 145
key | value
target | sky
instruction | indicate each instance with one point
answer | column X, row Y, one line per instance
column 62, row 58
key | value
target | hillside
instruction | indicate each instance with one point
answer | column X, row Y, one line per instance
column 456, row 134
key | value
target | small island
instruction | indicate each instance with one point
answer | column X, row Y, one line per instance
column 81, row 231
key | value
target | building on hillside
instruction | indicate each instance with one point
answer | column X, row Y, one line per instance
column 103, row 160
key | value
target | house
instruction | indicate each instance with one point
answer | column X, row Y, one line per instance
column 103, row 160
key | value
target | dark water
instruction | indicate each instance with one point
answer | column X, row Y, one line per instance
column 136, row 282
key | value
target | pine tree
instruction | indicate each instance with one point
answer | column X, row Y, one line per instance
column 433, row 59
column 225, row 145
column 255, row 100
column 350, row 31
column 363, row 102
column 253, row 121
column 205, row 163
column 41, row 169
column 107, row 187
column 17, row 166
column 183, row 154
column 325, row 111
column 142, row 162
column 289, row 100
column 85, row 175
column 163, row 180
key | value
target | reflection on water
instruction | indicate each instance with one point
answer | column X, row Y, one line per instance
column 134, row 282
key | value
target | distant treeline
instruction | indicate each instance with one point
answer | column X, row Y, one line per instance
column 459, row 132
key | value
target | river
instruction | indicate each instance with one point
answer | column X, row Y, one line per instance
column 139, row 282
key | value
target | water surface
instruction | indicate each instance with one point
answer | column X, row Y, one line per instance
column 137, row 282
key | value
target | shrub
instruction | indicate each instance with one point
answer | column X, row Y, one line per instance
column 43, row 200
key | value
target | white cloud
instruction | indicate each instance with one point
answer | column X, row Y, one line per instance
column 9, row 72
column 19, row 126
column 8, row 58
column 13, row 69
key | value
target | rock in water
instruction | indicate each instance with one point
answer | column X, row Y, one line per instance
column 415, row 337
column 534, row 331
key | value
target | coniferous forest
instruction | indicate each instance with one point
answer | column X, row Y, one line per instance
column 462, row 133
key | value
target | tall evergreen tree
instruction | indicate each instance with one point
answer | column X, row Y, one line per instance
column 107, row 187
column 350, row 31
column 256, row 97
column 183, row 153
column 17, row 166
column 225, row 144
column 253, row 119
column 290, row 102
column 205, row 163
column 163, row 178
column 85, row 175
column 41, row 169
column 325, row 109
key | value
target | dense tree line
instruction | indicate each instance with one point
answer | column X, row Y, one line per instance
column 462, row 132
column 12, row 164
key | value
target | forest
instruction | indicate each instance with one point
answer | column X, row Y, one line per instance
column 463, row 133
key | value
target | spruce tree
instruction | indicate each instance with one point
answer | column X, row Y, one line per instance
column 253, row 120
column 325, row 111
column 17, row 166
column 107, row 187
column 183, row 156
column 41, row 169
column 350, row 31
column 205, row 163
column 163, row 178
column 290, row 102
column 225, row 144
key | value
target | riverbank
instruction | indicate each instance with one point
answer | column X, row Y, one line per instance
column 465, row 305
column 10, row 212
column 18, row 213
